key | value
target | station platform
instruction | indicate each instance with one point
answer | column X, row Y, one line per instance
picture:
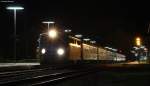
column 18, row 64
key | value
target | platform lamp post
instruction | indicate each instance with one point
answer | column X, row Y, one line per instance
column 49, row 33
column 115, row 54
column 94, row 42
column 48, row 23
column 66, row 36
column 80, row 36
column 138, row 44
column 138, row 41
column 15, row 9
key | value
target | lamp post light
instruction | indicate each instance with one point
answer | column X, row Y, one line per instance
column 78, row 36
column 106, row 47
column 138, row 41
column 138, row 44
column 67, row 31
column 15, row 9
column 7, row 1
column 86, row 39
column 48, row 23
column 93, row 42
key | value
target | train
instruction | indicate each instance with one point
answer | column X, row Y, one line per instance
column 60, row 46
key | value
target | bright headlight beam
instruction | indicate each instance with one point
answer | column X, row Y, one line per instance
column 86, row 39
column 60, row 51
column 43, row 51
column 52, row 33
column 78, row 35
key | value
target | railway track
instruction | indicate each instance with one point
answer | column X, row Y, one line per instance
column 40, row 77
column 61, row 77
column 17, row 73
column 22, row 72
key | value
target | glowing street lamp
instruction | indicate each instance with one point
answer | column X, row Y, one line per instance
column 14, row 8
column 106, row 47
column 67, row 30
column 138, row 41
column 115, row 50
column 78, row 36
column 86, row 39
column 48, row 23
column 7, row 1
column 93, row 42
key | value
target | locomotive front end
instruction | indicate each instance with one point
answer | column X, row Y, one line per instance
column 52, row 47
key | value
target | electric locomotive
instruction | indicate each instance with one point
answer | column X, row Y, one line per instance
column 52, row 47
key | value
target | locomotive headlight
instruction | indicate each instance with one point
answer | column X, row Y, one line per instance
column 43, row 51
column 52, row 33
column 60, row 51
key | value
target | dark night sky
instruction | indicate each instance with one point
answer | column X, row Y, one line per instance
column 111, row 22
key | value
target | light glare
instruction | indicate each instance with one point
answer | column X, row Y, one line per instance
column 78, row 35
column 67, row 30
column 138, row 41
column 60, row 51
column 49, row 22
column 86, row 39
column 52, row 33
column 93, row 42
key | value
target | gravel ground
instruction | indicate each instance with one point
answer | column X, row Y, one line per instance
column 111, row 78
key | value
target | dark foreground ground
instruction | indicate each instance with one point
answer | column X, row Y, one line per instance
column 107, row 75
column 112, row 77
